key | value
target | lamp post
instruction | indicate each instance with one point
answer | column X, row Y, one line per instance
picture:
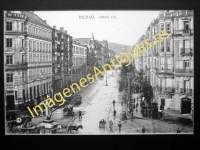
column 128, row 76
column 46, row 110
column 106, row 80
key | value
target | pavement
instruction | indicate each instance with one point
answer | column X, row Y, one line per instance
column 97, row 105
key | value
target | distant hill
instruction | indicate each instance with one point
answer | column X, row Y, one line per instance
column 116, row 47
column 119, row 48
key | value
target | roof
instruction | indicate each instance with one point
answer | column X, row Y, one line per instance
column 83, row 40
column 80, row 44
column 35, row 18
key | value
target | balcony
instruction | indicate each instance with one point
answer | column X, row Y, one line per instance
column 16, row 67
column 168, row 90
column 165, row 89
column 186, row 91
column 185, row 32
column 186, row 51
column 184, row 71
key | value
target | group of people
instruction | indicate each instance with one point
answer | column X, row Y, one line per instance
column 72, row 113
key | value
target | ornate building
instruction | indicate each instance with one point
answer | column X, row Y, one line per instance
column 61, row 59
column 79, row 69
column 168, row 65
column 28, row 59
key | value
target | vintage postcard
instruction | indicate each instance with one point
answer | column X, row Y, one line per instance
column 98, row 72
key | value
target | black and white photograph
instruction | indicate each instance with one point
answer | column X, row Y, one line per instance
column 98, row 72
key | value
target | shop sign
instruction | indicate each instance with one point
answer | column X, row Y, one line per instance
column 16, row 15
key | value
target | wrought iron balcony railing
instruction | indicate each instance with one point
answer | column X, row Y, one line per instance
column 186, row 51
column 184, row 90
column 184, row 71
column 183, row 32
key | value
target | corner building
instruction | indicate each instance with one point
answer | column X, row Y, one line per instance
column 168, row 65
column 28, row 66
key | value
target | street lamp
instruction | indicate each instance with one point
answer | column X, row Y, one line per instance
column 46, row 110
column 106, row 79
column 128, row 76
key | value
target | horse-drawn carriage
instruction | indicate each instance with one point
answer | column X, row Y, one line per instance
column 68, row 110
column 19, row 122
column 74, row 127
column 48, row 127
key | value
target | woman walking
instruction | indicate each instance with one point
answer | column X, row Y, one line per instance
column 110, row 125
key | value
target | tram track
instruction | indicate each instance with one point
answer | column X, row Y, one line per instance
column 69, row 122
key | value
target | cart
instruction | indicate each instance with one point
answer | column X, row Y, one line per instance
column 48, row 127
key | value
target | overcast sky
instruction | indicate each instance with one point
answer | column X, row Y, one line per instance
column 125, row 28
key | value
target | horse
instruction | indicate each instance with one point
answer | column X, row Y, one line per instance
column 74, row 128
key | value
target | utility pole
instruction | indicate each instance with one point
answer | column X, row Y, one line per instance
column 106, row 79
column 128, row 76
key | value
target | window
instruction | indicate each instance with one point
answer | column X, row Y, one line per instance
column 38, row 46
column 9, row 59
column 186, row 26
column 22, row 26
column 23, row 58
column 33, row 45
column 162, row 46
column 186, row 46
column 168, row 44
column 22, row 43
column 9, row 77
column 47, row 47
column 162, row 102
column 161, row 27
column 43, row 47
column 187, row 64
column 168, row 27
column 162, row 62
column 50, row 47
column 154, row 31
column 9, row 42
column 30, row 45
column 9, row 26
column 29, row 29
column 168, row 63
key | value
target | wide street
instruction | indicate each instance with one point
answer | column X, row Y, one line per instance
column 97, row 104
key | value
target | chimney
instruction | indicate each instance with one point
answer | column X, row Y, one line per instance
column 61, row 29
column 54, row 27
column 45, row 21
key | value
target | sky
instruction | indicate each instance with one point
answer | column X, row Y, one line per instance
column 126, row 27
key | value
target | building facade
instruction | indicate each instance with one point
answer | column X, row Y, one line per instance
column 61, row 62
column 168, row 65
column 28, row 59
column 79, row 61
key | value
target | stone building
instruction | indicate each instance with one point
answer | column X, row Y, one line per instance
column 79, row 58
column 28, row 59
column 62, row 61
column 168, row 65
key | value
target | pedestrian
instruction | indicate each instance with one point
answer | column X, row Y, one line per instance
column 111, row 125
column 73, row 115
column 178, row 131
column 121, row 103
column 120, row 125
column 79, row 114
column 143, row 130
column 115, row 113
column 114, row 103
column 131, row 111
